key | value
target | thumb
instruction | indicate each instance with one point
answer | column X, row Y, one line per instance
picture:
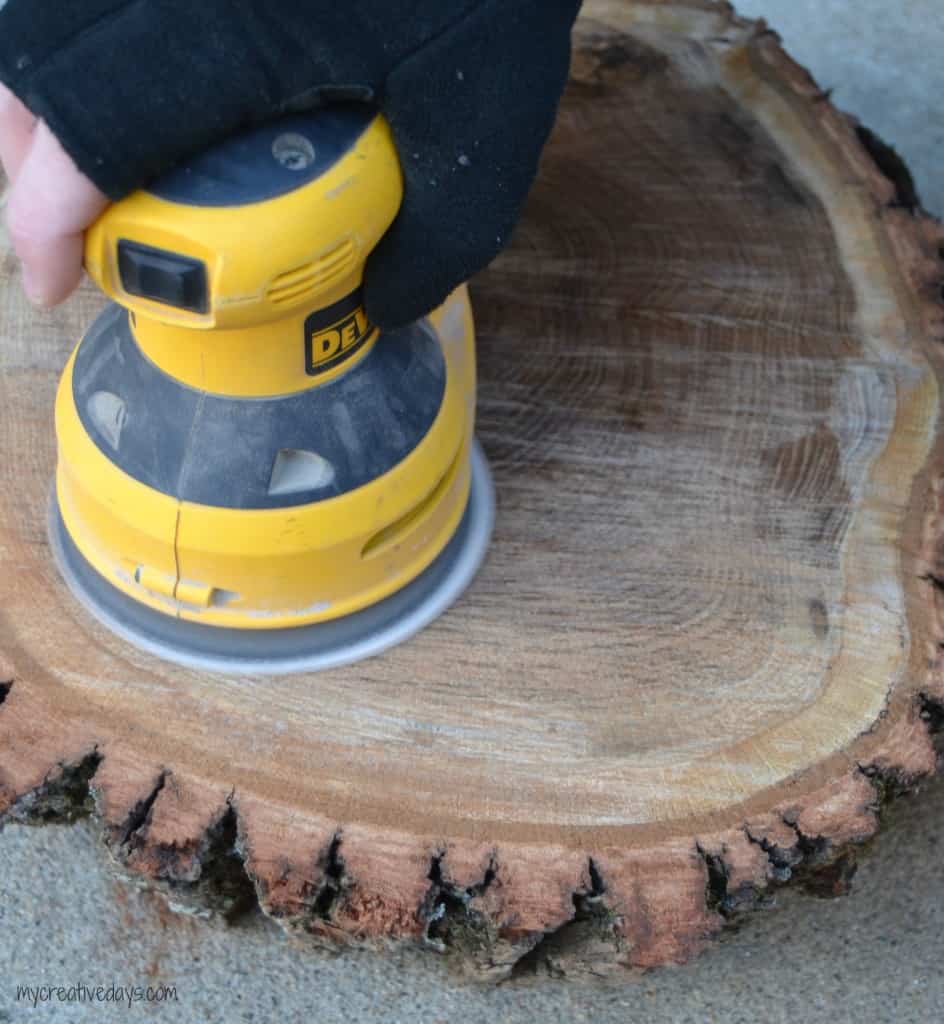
column 49, row 207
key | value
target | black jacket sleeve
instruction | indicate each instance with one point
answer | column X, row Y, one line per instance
column 470, row 88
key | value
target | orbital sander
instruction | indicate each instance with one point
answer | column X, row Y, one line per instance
column 251, row 476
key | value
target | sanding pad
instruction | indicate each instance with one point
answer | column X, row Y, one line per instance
column 306, row 648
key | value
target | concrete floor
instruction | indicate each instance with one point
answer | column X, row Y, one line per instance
column 873, row 957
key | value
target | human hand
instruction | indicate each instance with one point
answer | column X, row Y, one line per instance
column 50, row 204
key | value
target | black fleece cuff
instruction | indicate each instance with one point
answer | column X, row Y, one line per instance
column 470, row 112
column 135, row 87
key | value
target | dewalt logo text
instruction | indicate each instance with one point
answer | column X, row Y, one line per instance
column 327, row 347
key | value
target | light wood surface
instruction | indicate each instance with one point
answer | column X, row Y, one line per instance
column 704, row 647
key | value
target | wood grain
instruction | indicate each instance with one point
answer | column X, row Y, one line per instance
column 705, row 645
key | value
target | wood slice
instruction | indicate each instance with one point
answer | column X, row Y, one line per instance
column 705, row 646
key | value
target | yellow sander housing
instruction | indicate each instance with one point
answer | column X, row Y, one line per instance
column 251, row 476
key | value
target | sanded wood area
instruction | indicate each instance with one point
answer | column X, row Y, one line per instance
column 705, row 645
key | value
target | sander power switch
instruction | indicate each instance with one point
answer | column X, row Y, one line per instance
column 163, row 276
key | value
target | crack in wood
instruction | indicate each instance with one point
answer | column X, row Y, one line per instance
column 139, row 815
column 454, row 921
column 720, row 898
column 576, row 945
column 225, row 885
column 63, row 797
column 335, row 882
column 813, row 863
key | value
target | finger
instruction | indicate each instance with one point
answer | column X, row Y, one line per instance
column 50, row 206
column 51, row 197
column 17, row 126
column 52, row 270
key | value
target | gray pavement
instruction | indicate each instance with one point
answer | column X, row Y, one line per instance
column 872, row 957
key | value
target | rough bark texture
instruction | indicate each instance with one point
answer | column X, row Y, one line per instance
column 706, row 646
